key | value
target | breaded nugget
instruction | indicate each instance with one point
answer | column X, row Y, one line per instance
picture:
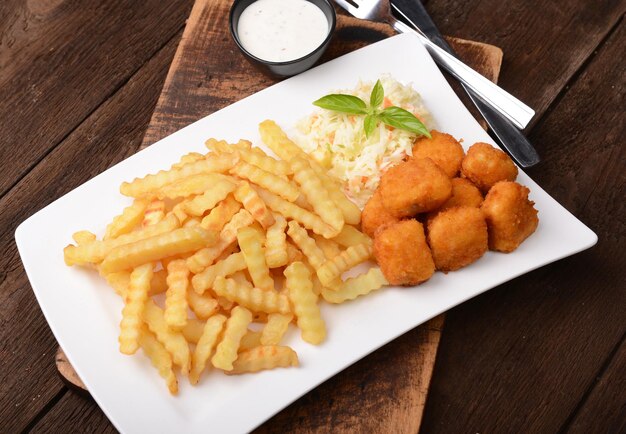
column 414, row 186
column 464, row 193
column 485, row 165
column 402, row 253
column 443, row 149
column 375, row 215
column 457, row 237
column 510, row 216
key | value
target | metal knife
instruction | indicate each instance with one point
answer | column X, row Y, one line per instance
column 512, row 139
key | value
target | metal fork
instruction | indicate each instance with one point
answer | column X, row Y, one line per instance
column 503, row 102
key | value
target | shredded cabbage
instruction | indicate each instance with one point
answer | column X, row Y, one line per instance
column 337, row 141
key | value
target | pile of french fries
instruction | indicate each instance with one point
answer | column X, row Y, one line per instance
column 232, row 237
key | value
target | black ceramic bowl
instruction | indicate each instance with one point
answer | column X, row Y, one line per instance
column 291, row 67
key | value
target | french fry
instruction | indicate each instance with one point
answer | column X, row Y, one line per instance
column 203, row 306
column 241, row 279
column 236, row 327
column 306, row 244
column 130, row 326
column 204, row 280
column 356, row 286
column 179, row 211
column 191, row 222
column 251, row 244
column 176, row 295
column 158, row 284
column 83, row 237
column 251, row 339
column 293, row 253
column 276, row 243
column 255, row 299
column 275, row 328
column 158, row 247
column 300, row 290
column 96, row 251
column 173, row 341
column 204, row 348
column 316, row 193
column 160, row 358
column 221, row 214
column 257, row 157
column 351, row 236
column 294, row 212
column 351, row 212
column 218, row 146
column 196, row 184
column 263, row 358
column 276, row 139
column 334, row 268
column 329, row 247
column 205, row 257
column 127, row 220
column 269, row 181
column 191, row 157
column 151, row 183
column 154, row 213
column 254, row 204
column 193, row 330
column 120, row 280
column 218, row 192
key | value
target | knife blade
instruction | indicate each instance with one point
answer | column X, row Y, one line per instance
column 416, row 15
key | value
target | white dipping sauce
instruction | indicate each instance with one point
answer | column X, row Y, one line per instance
column 282, row 30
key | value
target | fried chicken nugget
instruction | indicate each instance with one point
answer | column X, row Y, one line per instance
column 445, row 151
column 485, row 165
column 464, row 193
column 402, row 253
column 414, row 186
column 511, row 217
column 457, row 237
column 375, row 215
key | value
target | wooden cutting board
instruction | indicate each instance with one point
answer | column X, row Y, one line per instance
column 387, row 389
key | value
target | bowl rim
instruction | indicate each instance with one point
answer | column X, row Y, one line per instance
column 235, row 35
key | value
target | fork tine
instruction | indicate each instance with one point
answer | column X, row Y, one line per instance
column 347, row 6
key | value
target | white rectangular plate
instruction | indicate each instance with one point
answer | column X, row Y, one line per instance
column 84, row 313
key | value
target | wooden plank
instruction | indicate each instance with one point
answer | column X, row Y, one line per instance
column 520, row 357
column 28, row 378
column 59, row 60
column 545, row 43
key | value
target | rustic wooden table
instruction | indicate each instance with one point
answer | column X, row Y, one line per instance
column 79, row 81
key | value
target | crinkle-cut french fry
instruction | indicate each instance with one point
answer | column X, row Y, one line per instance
column 150, row 183
column 83, row 237
column 351, row 212
column 191, row 157
column 130, row 326
column 173, row 341
column 221, row 214
column 241, row 279
column 225, row 304
column 316, row 194
column 306, row 244
column 334, row 268
column 191, row 222
column 274, row 183
column 251, row 339
column 179, row 210
column 356, row 286
column 120, row 280
column 276, row 243
column 203, row 306
column 304, row 301
column 204, row 348
column 218, row 146
column 154, row 213
column 176, row 295
column 275, row 328
column 96, row 251
column 294, row 212
column 329, row 247
column 276, row 139
column 251, row 201
column 256, row 299
column 303, row 203
column 160, row 358
column 196, row 184
column 193, row 330
column 204, row 280
column 130, row 217
column 236, row 327
column 205, row 257
column 158, row 247
column 218, row 192
column 293, row 253
column 251, row 244
column 158, row 284
column 263, row 358
column 257, row 157
column 351, row 236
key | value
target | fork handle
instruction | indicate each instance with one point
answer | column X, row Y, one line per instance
column 501, row 101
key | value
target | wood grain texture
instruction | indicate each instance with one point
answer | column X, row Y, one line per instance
column 28, row 378
column 67, row 372
column 521, row 357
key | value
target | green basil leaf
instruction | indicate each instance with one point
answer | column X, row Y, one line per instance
column 377, row 96
column 400, row 118
column 342, row 103
column 369, row 124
